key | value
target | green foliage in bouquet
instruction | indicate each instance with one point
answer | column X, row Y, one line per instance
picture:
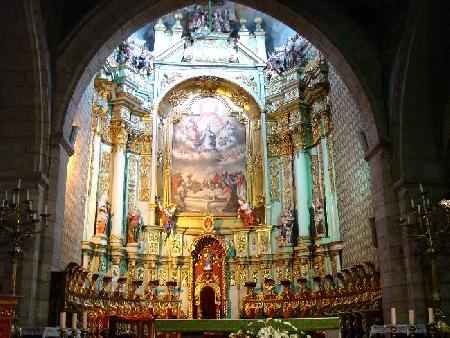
column 269, row 328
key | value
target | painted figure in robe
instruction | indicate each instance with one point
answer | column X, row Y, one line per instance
column 247, row 214
column 103, row 215
column 134, row 225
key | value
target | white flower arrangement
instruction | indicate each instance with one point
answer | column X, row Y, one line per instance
column 269, row 328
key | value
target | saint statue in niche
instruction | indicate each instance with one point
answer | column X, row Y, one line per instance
column 287, row 223
column 208, row 262
column 103, row 215
column 319, row 216
column 247, row 214
column 134, row 225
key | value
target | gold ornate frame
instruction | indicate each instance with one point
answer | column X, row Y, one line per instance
column 194, row 292
column 185, row 94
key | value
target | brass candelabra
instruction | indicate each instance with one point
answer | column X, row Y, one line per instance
column 426, row 232
column 18, row 222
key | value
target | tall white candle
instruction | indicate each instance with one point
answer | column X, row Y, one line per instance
column 62, row 320
column 74, row 320
column 84, row 320
column 18, row 184
column 14, row 198
column 420, row 187
column 45, row 212
column 412, row 203
column 430, row 315
column 411, row 317
column 393, row 316
column 6, row 194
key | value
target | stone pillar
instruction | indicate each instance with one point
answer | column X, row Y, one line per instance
column 160, row 38
column 119, row 130
column 34, row 306
column 244, row 34
column 177, row 29
column 260, row 36
column 302, row 165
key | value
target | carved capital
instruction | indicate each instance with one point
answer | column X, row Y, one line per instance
column 119, row 133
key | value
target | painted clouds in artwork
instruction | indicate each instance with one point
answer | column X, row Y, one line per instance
column 208, row 169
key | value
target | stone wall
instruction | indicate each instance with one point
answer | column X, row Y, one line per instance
column 77, row 178
column 353, row 183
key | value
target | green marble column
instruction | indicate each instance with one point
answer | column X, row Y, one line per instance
column 303, row 180
column 330, row 195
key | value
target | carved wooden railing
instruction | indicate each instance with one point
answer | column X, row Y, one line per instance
column 124, row 298
column 353, row 294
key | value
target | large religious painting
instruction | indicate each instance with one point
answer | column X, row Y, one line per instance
column 209, row 159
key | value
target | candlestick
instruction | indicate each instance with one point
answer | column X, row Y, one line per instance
column 393, row 316
column 62, row 319
column 411, row 317
column 84, row 320
column 74, row 320
column 430, row 315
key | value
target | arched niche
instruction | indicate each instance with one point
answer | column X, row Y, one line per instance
column 185, row 113
column 208, row 270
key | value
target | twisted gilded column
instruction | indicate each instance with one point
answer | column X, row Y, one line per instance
column 119, row 133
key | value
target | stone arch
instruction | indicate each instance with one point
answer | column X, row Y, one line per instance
column 319, row 21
